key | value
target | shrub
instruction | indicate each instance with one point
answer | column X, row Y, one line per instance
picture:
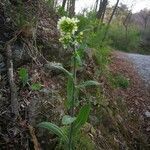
column 120, row 41
column 93, row 35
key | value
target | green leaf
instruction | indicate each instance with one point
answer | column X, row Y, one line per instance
column 78, row 58
column 60, row 67
column 54, row 129
column 23, row 75
column 81, row 118
column 36, row 86
column 68, row 119
column 88, row 83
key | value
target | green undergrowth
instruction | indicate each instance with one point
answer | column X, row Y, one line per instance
column 102, row 58
column 119, row 81
column 93, row 36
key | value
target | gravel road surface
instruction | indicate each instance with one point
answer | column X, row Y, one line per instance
column 142, row 65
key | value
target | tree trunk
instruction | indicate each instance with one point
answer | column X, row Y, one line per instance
column 96, row 5
column 64, row 4
column 126, row 23
column 55, row 4
column 145, row 23
column 102, row 9
column 114, row 10
column 68, row 5
column 72, row 8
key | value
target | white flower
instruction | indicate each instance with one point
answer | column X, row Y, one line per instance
column 67, row 25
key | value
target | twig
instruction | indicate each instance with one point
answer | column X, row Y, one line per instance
column 34, row 138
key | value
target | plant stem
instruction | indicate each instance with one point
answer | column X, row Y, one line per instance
column 74, row 83
column 73, row 99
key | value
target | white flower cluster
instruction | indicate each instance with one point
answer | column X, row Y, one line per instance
column 67, row 27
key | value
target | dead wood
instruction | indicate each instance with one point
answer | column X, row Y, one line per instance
column 14, row 100
column 10, row 73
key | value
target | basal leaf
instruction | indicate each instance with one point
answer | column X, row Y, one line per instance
column 60, row 67
column 54, row 129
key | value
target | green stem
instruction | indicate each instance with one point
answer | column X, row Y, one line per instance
column 73, row 100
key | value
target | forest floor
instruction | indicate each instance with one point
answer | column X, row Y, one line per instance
column 137, row 68
column 115, row 127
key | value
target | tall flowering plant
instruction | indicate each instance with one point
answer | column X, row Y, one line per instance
column 70, row 37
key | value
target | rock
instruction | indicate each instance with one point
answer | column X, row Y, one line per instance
column 148, row 129
column 147, row 114
column 6, row 29
column 20, row 54
column 2, row 64
column 1, row 58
